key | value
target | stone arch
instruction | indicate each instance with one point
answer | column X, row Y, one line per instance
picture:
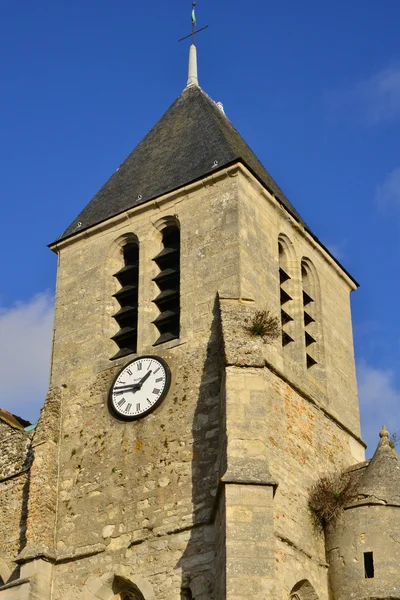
column 309, row 272
column 113, row 586
column 287, row 254
column 168, row 221
column 288, row 284
column 303, row 590
column 115, row 251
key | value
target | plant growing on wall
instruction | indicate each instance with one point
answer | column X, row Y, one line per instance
column 264, row 325
column 330, row 494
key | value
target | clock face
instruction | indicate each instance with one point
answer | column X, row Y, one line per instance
column 139, row 387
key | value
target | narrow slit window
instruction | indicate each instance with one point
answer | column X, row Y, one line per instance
column 309, row 312
column 127, row 298
column 286, row 299
column 168, row 282
column 369, row 570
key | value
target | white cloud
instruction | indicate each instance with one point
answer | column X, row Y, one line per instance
column 370, row 101
column 25, row 346
column 379, row 402
column 387, row 194
column 338, row 250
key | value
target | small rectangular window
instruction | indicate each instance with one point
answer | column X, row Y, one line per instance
column 369, row 565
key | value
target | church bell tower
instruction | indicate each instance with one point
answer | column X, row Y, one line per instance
column 202, row 379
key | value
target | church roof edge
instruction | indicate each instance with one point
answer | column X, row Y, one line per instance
column 192, row 140
column 12, row 420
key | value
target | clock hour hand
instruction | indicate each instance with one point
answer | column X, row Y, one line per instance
column 127, row 388
column 134, row 387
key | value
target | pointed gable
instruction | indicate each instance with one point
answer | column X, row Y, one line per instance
column 380, row 482
column 193, row 139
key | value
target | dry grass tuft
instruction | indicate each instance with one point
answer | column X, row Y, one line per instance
column 330, row 494
column 264, row 325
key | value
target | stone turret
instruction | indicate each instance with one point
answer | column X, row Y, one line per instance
column 363, row 545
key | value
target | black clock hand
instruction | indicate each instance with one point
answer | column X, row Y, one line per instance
column 141, row 382
column 127, row 388
column 134, row 387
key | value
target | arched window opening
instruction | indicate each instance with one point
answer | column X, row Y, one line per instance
column 125, row 595
column 309, row 312
column 303, row 591
column 127, row 297
column 286, row 299
column 168, row 282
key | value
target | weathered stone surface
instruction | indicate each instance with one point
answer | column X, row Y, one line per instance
column 208, row 493
column 15, row 461
column 369, row 525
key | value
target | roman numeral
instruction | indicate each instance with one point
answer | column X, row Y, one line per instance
column 139, row 366
column 149, row 401
column 137, row 407
column 159, row 379
column 129, row 371
column 156, row 391
column 128, row 407
column 121, row 402
column 156, row 371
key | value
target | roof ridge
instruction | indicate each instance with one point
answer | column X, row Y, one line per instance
column 277, row 193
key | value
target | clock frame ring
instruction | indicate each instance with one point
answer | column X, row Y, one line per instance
column 119, row 416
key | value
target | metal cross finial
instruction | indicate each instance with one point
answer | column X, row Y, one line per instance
column 193, row 25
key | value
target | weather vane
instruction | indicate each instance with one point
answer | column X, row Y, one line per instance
column 193, row 25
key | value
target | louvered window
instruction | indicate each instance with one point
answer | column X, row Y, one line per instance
column 309, row 313
column 285, row 298
column 168, row 282
column 127, row 297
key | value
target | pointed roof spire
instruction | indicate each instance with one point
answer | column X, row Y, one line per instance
column 192, row 74
column 380, row 483
column 192, row 77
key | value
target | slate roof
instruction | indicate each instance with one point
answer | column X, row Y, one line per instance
column 380, row 483
column 181, row 148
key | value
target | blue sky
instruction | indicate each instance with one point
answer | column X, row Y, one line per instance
column 314, row 88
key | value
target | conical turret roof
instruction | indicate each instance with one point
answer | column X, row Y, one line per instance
column 380, row 482
column 193, row 139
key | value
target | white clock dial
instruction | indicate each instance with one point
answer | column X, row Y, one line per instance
column 139, row 387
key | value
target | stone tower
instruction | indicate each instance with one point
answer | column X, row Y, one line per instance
column 363, row 545
column 192, row 485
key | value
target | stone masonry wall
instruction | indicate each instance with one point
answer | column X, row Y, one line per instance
column 14, row 449
column 138, row 498
column 143, row 493
column 262, row 220
column 14, row 481
column 275, row 433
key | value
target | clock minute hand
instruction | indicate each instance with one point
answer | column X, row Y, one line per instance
column 141, row 382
